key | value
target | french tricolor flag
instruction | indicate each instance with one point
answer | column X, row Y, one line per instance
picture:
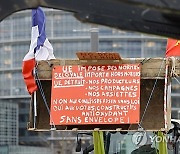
column 40, row 49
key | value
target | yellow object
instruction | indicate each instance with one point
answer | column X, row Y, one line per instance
column 98, row 142
column 162, row 143
column 177, row 43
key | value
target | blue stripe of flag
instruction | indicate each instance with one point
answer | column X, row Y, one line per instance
column 38, row 19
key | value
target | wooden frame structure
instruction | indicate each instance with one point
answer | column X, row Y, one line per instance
column 155, row 74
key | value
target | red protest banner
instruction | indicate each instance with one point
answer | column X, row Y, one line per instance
column 95, row 94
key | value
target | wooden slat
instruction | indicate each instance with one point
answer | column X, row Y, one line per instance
column 150, row 68
column 98, row 55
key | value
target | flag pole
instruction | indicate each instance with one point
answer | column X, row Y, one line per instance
column 35, row 109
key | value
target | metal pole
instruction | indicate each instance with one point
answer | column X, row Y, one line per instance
column 52, row 142
column 94, row 38
column 142, row 46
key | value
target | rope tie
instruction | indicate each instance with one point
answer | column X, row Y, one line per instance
column 173, row 69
